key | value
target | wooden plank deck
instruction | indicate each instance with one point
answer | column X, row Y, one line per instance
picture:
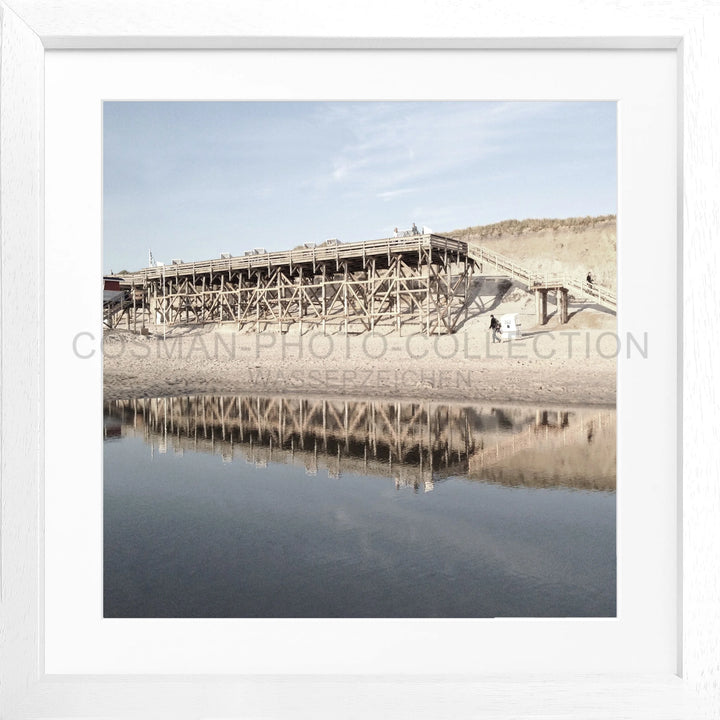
column 302, row 256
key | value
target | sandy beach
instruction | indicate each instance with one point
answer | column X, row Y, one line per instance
column 553, row 365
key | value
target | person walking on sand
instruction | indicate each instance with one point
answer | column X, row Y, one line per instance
column 495, row 327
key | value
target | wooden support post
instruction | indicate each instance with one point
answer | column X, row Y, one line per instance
column 152, row 302
column 437, row 303
column 144, row 304
column 279, row 299
column 167, row 301
column 189, row 291
column 323, row 297
column 257, row 305
column 221, row 307
column 397, row 293
column 372, row 281
column 541, row 306
column 562, row 296
column 345, row 295
column 468, row 273
column 302, row 299
column 427, row 292
column 448, row 291
column 239, row 295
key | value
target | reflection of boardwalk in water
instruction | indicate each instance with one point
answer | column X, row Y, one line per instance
column 416, row 443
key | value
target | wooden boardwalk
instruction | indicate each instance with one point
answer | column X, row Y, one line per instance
column 418, row 281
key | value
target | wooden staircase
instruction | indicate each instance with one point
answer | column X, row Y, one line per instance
column 520, row 275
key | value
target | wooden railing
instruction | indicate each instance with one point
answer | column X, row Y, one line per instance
column 505, row 265
column 603, row 295
column 340, row 251
column 502, row 264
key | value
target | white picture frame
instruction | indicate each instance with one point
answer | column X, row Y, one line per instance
column 32, row 28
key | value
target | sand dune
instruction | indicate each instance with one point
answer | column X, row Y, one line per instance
column 574, row 246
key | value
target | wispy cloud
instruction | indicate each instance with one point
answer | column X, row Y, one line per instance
column 390, row 194
column 394, row 145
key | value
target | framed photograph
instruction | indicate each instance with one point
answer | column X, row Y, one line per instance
column 223, row 495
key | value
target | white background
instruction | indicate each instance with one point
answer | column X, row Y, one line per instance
column 643, row 638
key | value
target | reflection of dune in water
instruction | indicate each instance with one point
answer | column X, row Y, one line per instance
column 417, row 444
column 580, row 455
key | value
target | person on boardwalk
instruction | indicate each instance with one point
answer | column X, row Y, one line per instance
column 589, row 279
column 495, row 327
column 396, row 233
column 414, row 229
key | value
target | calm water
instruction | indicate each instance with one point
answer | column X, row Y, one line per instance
column 301, row 507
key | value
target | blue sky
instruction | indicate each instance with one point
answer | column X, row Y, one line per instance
column 190, row 180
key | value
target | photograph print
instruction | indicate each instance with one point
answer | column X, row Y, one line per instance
column 360, row 359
